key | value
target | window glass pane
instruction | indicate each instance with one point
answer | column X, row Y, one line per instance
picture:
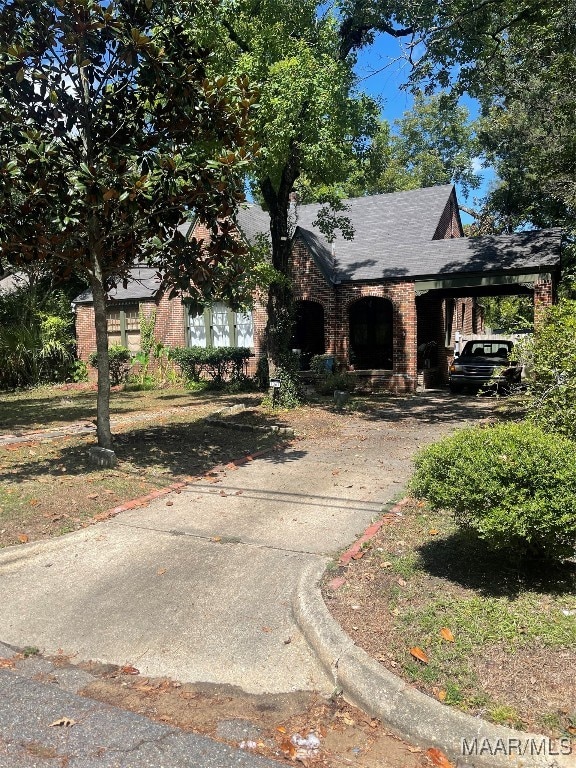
column 220, row 327
column 113, row 320
column 132, row 320
column 196, row 331
column 244, row 329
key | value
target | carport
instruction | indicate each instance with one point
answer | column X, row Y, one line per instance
column 524, row 263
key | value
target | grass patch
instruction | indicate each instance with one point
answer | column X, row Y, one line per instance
column 513, row 655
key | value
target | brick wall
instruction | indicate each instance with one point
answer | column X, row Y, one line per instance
column 170, row 326
column 85, row 331
column 544, row 291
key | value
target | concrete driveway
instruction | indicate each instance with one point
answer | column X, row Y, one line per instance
column 197, row 585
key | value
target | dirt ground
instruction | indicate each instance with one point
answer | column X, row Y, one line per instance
column 452, row 619
column 267, row 724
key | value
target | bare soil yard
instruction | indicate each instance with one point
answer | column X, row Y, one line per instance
column 441, row 611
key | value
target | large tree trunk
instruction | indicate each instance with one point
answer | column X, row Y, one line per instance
column 103, row 431
column 280, row 299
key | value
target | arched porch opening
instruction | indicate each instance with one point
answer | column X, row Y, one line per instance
column 371, row 324
column 308, row 335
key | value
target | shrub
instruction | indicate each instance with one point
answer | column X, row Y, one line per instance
column 326, row 385
column 220, row 364
column 322, row 364
column 36, row 346
column 512, row 485
column 552, row 370
column 79, row 372
column 120, row 361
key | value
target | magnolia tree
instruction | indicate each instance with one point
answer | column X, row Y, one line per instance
column 111, row 135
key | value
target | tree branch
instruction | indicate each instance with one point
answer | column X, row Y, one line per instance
column 235, row 37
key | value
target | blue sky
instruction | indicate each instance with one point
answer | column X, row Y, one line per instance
column 382, row 70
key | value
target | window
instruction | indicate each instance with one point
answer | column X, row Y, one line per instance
column 124, row 326
column 219, row 326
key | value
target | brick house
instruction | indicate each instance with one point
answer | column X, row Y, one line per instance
column 387, row 305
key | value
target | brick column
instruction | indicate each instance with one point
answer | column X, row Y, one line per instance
column 543, row 297
column 405, row 339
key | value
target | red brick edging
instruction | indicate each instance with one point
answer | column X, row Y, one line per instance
column 143, row 500
column 371, row 531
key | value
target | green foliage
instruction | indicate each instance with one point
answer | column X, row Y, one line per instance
column 330, row 382
column 509, row 314
column 322, row 364
column 120, row 361
column 79, row 371
column 432, row 143
column 147, row 324
column 512, row 485
column 327, row 380
column 36, row 346
column 220, row 364
column 290, row 393
column 552, row 370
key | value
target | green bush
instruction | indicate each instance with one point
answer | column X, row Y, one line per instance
column 552, row 370
column 120, row 361
column 36, row 346
column 79, row 371
column 220, row 364
column 326, row 385
column 512, row 485
column 322, row 364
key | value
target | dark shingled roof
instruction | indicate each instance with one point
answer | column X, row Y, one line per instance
column 143, row 284
column 393, row 240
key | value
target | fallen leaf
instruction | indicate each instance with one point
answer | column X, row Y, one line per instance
column 169, row 503
column 266, row 629
column 33, row 502
column 238, row 493
column 216, row 539
column 438, row 758
column 419, row 654
column 358, row 555
column 288, row 748
column 160, row 571
column 402, row 582
column 93, row 495
column 414, row 749
column 128, row 670
column 23, row 538
column 387, row 564
column 65, row 722
column 281, row 729
column 440, row 693
column 447, row 635
column 433, row 531
column 7, row 662
column 572, row 730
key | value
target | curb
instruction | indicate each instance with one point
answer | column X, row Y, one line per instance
column 413, row 715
